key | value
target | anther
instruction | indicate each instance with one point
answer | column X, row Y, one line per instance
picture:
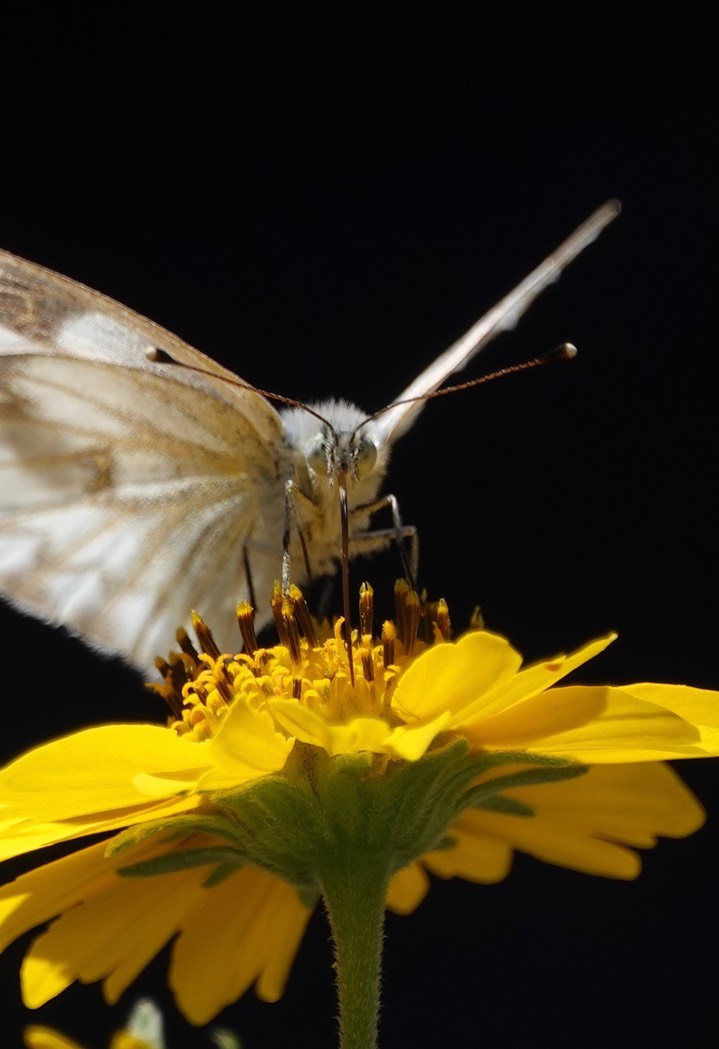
column 246, row 622
column 207, row 643
column 389, row 637
column 366, row 609
column 302, row 614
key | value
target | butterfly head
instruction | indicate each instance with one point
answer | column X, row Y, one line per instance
column 351, row 453
column 334, row 440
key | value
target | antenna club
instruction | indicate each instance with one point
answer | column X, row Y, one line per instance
column 566, row 351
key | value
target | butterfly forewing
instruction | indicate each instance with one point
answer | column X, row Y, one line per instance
column 44, row 312
column 128, row 489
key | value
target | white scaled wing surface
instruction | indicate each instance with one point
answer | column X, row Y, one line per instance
column 127, row 494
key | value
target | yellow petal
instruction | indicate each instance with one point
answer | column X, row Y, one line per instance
column 475, row 856
column 700, row 706
column 452, row 677
column 247, row 929
column 407, row 889
column 411, row 741
column 20, row 836
column 35, row 897
column 588, row 824
column 628, row 729
column 111, row 926
column 128, row 1040
column 478, row 678
column 45, row 1038
column 97, row 770
column 246, row 746
column 541, row 715
column 359, row 733
column 111, row 935
column 529, row 682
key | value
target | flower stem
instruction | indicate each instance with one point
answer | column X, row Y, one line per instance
column 354, row 896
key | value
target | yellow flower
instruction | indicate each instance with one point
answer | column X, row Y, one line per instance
column 458, row 753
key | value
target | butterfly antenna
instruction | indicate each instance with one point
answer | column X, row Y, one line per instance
column 159, row 356
column 397, row 418
column 564, row 352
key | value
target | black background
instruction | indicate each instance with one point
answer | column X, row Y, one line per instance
column 323, row 206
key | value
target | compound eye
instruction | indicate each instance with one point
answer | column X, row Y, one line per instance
column 317, row 454
column 365, row 457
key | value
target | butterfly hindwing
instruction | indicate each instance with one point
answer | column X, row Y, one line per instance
column 126, row 499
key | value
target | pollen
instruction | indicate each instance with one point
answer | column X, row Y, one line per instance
column 310, row 665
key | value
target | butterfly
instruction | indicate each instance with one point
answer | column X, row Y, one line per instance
column 139, row 479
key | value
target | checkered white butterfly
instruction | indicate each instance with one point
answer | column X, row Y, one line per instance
column 133, row 489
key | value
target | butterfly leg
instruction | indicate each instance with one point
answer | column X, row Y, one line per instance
column 293, row 491
column 248, row 575
column 404, row 536
column 291, row 528
column 267, row 570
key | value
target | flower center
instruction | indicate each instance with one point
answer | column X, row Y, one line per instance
column 310, row 663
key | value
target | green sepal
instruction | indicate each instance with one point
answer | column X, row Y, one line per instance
column 180, row 860
column 216, row 825
column 495, row 758
column 327, row 810
column 323, row 812
column 485, row 795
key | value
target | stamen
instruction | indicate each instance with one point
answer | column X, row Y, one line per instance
column 427, row 619
column 292, row 631
column 476, row 620
column 200, row 689
column 246, row 623
column 304, row 619
column 208, row 645
column 276, row 604
column 412, row 612
column 163, row 667
column 401, row 590
column 195, row 693
column 223, row 681
column 186, row 646
column 367, row 665
column 442, row 621
column 389, row 637
column 366, row 610
column 175, row 675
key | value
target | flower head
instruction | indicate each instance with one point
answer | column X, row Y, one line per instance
column 279, row 764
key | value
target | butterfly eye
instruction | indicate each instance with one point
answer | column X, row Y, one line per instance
column 365, row 456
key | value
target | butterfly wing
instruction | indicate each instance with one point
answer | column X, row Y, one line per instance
column 44, row 312
column 395, row 420
column 128, row 489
